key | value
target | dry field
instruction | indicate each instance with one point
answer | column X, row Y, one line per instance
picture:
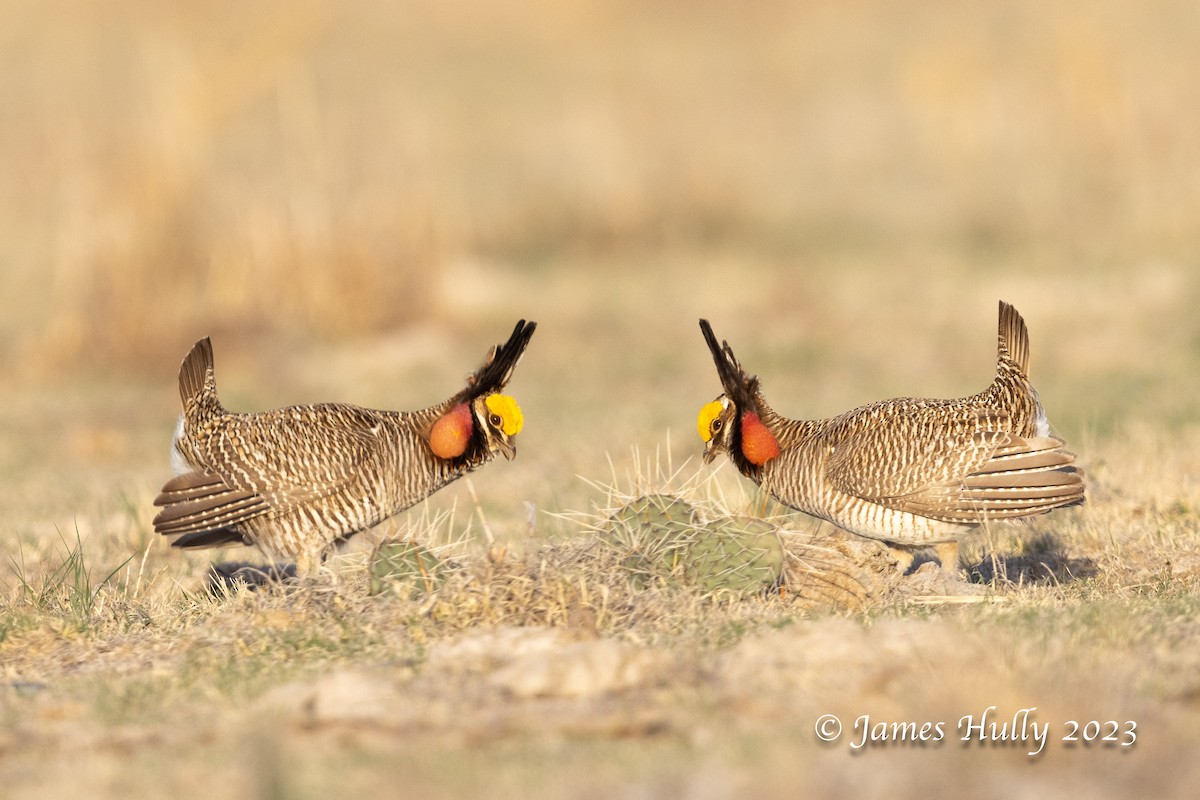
column 355, row 201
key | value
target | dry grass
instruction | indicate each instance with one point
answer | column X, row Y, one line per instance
column 356, row 201
column 557, row 669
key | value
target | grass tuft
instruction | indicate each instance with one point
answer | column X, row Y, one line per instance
column 67, row 590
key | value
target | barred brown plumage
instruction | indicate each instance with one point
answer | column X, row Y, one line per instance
column 911, row 472
column 297, row 481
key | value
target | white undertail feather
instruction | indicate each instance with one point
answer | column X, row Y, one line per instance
column 1041, row 423
column 179, row 462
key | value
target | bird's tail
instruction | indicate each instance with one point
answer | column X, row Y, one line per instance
column 1013, row 338
column 197, row 379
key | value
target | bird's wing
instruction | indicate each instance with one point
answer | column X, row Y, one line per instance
column 898, row 447
column 949, row 462
column 272, row 462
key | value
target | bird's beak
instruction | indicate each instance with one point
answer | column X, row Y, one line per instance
column 709, row 453
column 508, row 449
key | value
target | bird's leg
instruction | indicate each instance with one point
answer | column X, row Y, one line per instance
column 948, row 555
column 308, row 564
column 903, row 556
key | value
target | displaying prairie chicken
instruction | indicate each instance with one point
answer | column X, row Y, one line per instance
column 297, row 481
column 911, row 472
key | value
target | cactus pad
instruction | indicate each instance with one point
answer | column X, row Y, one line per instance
column 406, row 568
column 739, row 555
column 663, row 538
column 651, row 534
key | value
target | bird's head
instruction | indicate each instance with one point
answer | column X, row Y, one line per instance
column 478, row 429
column 716, row 426
column 500, row 419
column 733, row 422
column 479, row 421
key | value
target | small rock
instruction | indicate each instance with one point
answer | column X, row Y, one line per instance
column 340, row 697
column 491, row 648
column 580, row 669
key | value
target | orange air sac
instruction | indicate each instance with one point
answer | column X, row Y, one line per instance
column 452, row 432
column 758, row 443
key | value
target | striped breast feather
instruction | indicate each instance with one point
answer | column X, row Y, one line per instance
column 1024, row 477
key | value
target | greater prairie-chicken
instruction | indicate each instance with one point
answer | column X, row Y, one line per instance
column 295, row 482
column 911, row 472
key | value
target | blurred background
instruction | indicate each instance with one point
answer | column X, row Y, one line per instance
column 356, row 199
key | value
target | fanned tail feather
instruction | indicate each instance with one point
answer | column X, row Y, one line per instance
column 198, row 502
column 1024, row 477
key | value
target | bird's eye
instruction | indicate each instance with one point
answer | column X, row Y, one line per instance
column 716, row 425
column 495, row 420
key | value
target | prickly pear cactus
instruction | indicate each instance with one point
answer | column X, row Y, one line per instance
column 738, row 555
column 651, row 533
column 664, row 539
column 649, row 518
column 406, row 568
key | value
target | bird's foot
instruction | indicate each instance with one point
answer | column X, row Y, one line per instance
column 904, row 558
column 947, row 553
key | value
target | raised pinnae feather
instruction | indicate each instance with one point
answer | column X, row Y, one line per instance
column 497, row 368
column 739, row 387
